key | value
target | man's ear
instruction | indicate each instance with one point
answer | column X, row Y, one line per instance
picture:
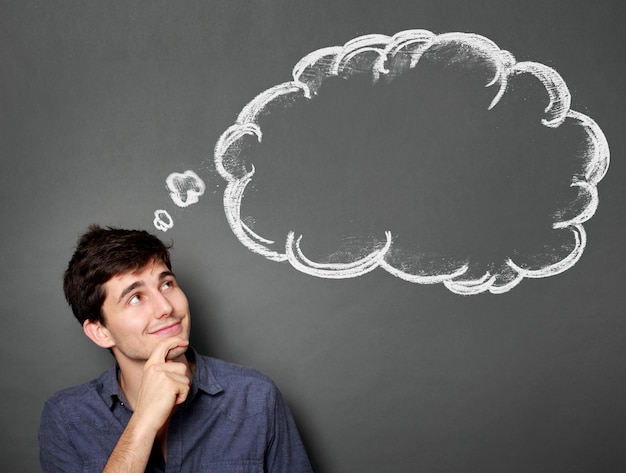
column 98, row 333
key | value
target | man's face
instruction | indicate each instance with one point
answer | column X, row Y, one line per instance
column 143, row 307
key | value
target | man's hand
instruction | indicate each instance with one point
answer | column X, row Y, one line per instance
column 164, row 385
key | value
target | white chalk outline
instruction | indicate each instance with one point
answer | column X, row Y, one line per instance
column 372, row 54
column 159, row 221
column 193, row 196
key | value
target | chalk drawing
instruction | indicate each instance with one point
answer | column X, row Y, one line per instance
column 162, row 220
column 185, row 188
column 384, row 59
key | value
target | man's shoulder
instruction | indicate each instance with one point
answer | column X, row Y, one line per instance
column 231, row 373
column 242, row 391
column 80, row 393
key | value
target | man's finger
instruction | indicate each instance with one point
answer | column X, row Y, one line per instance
column 163, row 347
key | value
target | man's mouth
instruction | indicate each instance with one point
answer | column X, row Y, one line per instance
column 169, row 329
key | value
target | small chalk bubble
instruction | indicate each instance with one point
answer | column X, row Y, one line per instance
column 162, row 220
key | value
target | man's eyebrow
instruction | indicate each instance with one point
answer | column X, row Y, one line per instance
column 166, row 274
column 129, row 289
column 136, row 284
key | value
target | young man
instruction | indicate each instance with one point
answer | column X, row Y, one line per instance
column 162, row 407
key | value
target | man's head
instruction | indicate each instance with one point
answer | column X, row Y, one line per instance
column 102, row 253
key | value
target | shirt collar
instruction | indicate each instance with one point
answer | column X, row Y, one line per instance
column 204, row 378
column 110, row 390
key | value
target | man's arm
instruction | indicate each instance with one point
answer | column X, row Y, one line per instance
column 164, row 385
column 55, row 448
column 286, row 453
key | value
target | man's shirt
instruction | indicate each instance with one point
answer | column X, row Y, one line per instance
column 234, row 420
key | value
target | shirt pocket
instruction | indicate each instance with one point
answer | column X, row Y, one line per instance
column 234, row 466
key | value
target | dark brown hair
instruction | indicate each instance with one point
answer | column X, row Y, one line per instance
column 100, row 254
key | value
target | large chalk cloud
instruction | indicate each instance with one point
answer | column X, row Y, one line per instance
column 438, row 158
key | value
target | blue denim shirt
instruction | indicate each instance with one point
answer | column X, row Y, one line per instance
column 234, row 420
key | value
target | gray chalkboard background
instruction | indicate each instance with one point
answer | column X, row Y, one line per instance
column 101, row 100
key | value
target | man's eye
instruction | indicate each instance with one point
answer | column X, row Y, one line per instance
column 167, row 284
column 135, row 299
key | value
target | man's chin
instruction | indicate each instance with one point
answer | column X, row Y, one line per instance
column 175, row 353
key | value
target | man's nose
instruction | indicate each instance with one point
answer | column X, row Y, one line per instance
column 163, row 307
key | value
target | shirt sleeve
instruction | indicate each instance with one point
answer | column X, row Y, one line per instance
column 285, row 453
column 56, row 452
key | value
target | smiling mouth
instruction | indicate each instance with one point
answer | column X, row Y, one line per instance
column 167, row 330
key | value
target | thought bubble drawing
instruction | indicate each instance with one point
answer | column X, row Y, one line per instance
column 162, row 220
column 438, row 158
column 185, row 188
